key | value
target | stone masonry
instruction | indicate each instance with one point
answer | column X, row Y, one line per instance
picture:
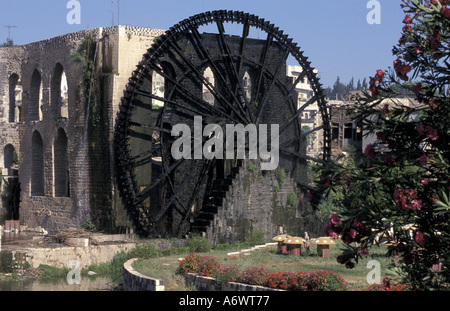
column 54, row 142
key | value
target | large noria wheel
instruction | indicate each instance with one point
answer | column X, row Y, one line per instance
column 198, row 74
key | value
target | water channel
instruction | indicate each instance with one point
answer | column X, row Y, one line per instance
column 97, row 282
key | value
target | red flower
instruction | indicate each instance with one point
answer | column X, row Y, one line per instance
column 445, row 12
column 407, row 20
column 401, row 69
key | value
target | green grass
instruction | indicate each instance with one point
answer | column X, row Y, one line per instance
column 165, row 267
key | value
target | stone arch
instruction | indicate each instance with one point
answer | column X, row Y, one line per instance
column 15, row 98
column 60, row 163
column 11, row 185
column 34, row 103
column 59, row 93
column 37, row 165
column 10, row 159
column 206, row 93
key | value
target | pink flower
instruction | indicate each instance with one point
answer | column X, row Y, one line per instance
column 353, row 233
column 370, row 152
column 419, row 238
column 379, row 75
column 334, row 219
column 401, row 69
column 406, row 199
column 330, row 232
column 407, row 20
column 428, row 131
column 424, row 182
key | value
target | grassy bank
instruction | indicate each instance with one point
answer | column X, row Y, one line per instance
column 165, row 267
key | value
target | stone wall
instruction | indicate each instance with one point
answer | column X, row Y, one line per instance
column 135, row 281
column 203, row 283
column 60, row 257
column 258, row 201
column 86, row 127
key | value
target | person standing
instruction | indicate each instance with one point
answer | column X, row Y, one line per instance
column 306, row 242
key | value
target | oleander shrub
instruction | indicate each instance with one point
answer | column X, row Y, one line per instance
column 322, row 280
column 391, row 288
column 403, row 177
column 202, row 265
column 318, row 280
column 255, row 275
column 228, row 274
column 284, row 280
column 208, row 266
column 190, row 264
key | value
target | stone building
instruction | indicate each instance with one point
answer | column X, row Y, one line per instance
column 55, row 147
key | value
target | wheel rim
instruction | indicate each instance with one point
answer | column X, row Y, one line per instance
column 180, row 59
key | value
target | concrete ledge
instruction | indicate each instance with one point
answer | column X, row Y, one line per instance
column 135, row 281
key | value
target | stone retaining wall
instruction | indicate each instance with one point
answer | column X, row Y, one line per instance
column 135, row 281
column 203, row 283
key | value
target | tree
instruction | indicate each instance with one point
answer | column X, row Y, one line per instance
column 9, row 42
column 403, row 181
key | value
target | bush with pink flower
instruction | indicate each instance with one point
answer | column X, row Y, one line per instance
column 403, row 178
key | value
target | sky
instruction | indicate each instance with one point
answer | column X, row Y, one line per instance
column 334, row 34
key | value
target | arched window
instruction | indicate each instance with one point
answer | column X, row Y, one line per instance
column 10, row 159
column 60, row 162
column 34, row 105
column 206, row 93
column 37, row 165
column 59, row 93
column 15, row 98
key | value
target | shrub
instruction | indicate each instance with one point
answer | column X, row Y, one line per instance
column 208, row 266
column 204, row 266
column 197, row 243
column 228, row 274
column 318, row 280
column 190, row 264
column 283, row 280
column 404, row 176
column 256, row 237
column 255, row 276
column 291, row 198
column 391, row 288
